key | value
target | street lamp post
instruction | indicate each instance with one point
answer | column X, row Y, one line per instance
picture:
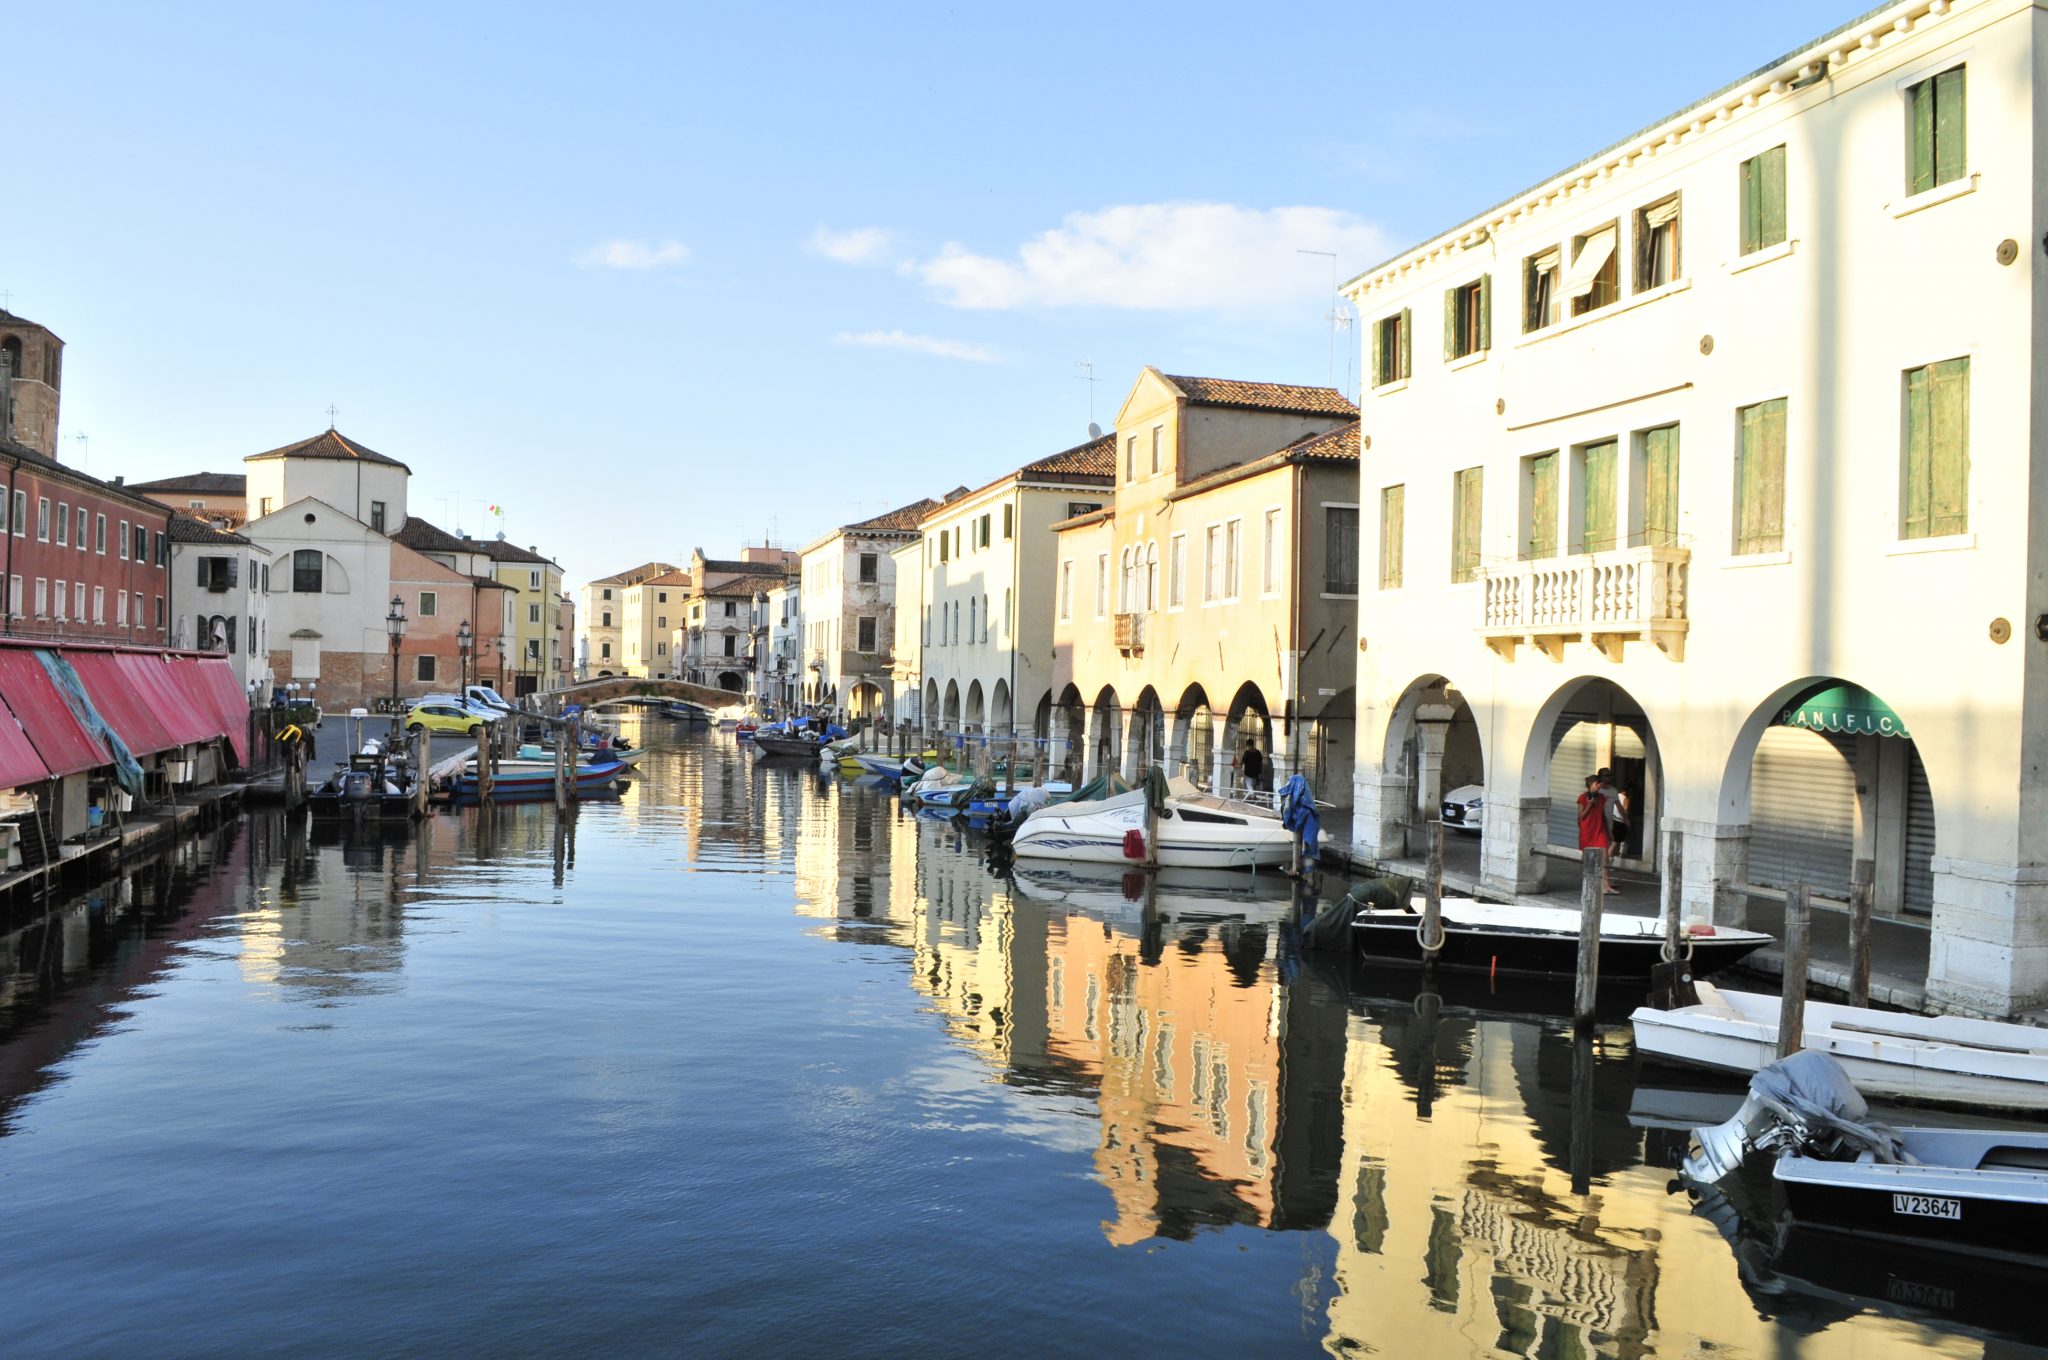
column 463, row 638
column 394, row 624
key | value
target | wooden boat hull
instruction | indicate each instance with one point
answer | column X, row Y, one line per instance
column 795, row 748
column 589, row 779
column 1538, row 942
column 1928, row 1060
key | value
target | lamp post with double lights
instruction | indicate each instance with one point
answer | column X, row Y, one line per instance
column 394, row 624
column 463, row 639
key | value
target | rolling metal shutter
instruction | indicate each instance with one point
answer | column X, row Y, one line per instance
column 1919, row 840
column 1576, row 754
column 1802, row 811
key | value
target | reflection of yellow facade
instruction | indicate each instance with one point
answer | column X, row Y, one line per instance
column 1463, row 1237
column 964, row 960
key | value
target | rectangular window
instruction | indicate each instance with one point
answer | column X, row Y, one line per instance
column 1009, row 521
column 306, row 571
column 60, row 597
column 864, row 637
column 870, row 568
column 121, row 542
column 1101, row 585
column 1593, row 281
column 1131, row 458
column 1212, row 563
column 1468, row 318
column 1938, row 150
column 606, row 594
column 99, row 604
column 428, row 604
column 99, row 534
column 1539, row 506
column 1269, row 562
column 81, row 529
column 142, row 543
column 1233, row 556
column 78, row 601
column 1599, row 488
column 1390, row 348
column 423, row 666
column 160, row 624
column 1934, row 497
column 1467, row 498
column 945, row 546
column 42, row 519
column 533, row 614
column 1158, row 440
column 377, row 523
column 1656, row 480
column 732, row 643
column 1760, row 477
column 606, row 620
column 14, row 600
column 20, row 517
column 1082, row 508
column 1539, row 289
column 138, row 616
column 42, row 597
column 1066, row 594
column 1177, row 570
column 1340, row 549
column 1393, row 511
column 1763, row 200
column 732, row 609
column 63, row 525
column 1657, row 244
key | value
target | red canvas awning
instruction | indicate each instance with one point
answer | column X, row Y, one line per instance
column 127, row 706
column 19, row 763
column 59, row 739
column 214, row 677
column 155, row 675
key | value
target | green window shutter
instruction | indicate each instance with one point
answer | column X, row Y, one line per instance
column 1915, row 478
column 1596, row 510
column 1465, row 525
column 1543, row 506
column 1407, row 344
column 1751, row 233
column 1451, row 349
column 1373, row 369
column 1951, row 149
column 1920, row 175
column 1948, row 429
column 1760, row 479
column 1660, row 486
column 1392, row 506
column 1771, row 197
column 1485, row 312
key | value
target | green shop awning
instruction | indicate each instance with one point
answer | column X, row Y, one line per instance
column 1846, row 710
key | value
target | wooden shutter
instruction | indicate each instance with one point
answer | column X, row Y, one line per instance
column 1597, row 490
column 1466, row 525
column 1452, row 315
column 1485, row 312
column 1951, row 148
column 1379, row 378
column 1920, row 176
column 1771, row 188
column 1407, row 344
column 1760, row 479
column 1936, row 494
column 1752, row 203
column 1393, row 507
column 1918, row 479
column 1660, row 486
column 1543, row 506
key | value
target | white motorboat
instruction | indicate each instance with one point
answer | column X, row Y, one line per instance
column 1530, row 939
column 1195, row 830
column 1939, row 1060
column 1194, row 898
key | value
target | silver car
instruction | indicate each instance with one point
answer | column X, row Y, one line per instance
column 1464, row 808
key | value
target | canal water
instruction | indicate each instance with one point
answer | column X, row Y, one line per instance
column 758, row 1063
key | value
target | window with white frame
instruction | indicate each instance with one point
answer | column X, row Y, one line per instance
column 1657, row 244
column 1158, row 442
column 1212, row 563
column 1269, row 561
column 1101, row 585
column 43, row 597
column 63, row 525
column 42, row 520
column 1176, row 571
column 1593, row 281
column 99, row 604
column 1067, row 589
column 1233, row 557
column 60, row 598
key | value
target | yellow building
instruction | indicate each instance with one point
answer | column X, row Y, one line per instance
column 538, row 655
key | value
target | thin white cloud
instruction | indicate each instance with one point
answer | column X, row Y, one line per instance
column 936, row 346
column 663, row 254
column 1165, row 257
column 859, row 245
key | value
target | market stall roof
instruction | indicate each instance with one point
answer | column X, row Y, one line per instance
column 126, row 706
column 59, row 739
column 185, row 718
column 210, row 682
column 19, row 763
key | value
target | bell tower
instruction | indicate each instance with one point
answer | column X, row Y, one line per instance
column 31, row 378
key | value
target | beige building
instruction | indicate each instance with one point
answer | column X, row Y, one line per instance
column 713, row 641
column 600, row 641
column 979, row 600
column 216, row 498
column 847, row 607
column 651, row 609
column 538, row 655
column 1215, row 597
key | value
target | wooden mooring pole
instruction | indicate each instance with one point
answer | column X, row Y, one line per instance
column 483, row 768
column 1592, row 896
column 1432, row 940
column 1862, row 874
column 1674, row 883
column 1792, row 1007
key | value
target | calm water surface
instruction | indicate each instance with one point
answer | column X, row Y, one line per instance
column 761, row 1064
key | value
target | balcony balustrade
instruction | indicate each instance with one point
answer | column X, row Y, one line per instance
column 1607, row 599
column 1130, row 634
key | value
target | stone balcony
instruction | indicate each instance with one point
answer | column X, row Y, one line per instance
column 1605, row 599
column 1130, row 634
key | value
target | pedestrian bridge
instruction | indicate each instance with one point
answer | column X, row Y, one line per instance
column 626, row 686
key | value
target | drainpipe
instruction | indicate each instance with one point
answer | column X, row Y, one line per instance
column 1290, row 706
column 1012, row 614
column 6, row 578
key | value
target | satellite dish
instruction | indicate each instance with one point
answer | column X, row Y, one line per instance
column 1094, row 430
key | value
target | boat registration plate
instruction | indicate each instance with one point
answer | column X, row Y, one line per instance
column 1927, row 1206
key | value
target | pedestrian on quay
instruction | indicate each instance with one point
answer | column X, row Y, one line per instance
column 1593, row 827
column 1618, row 822
column 1252, row 764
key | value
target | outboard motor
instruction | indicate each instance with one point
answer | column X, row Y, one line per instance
column 355, row 788
column 1804, row 1102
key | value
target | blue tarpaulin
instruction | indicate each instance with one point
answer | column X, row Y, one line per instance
column 126, row 771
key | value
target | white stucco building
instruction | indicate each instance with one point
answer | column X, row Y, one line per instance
column 1717, row 458
column 220, row 597
column 847, row 608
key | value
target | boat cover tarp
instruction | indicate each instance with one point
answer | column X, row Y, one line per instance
column 61, row 741
column 1811, row 1088
column 123, row 703
column 1298, row 814
column 1331, row 928
column 64, row 676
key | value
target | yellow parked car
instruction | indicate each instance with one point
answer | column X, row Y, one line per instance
column 443, row 718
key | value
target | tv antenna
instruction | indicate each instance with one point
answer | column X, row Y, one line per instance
column 84, row 450
column 1331, row 256
column 1087, row 375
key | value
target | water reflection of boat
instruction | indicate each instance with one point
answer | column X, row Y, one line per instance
column 1182, row 896
column 1542, row 941
column 374, row 782
column 1194, row 830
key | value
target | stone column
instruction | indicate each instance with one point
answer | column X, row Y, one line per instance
column 1220, row 737
column 1134, row 743
column 1091, row 744
column 1432, row 726
column 1512, row 830
column 1988, row 950
column 1716, row 865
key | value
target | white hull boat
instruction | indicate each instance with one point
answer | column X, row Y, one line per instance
column 1195, row 830
column 1936, row 1060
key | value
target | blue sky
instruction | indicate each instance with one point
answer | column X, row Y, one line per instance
column 659, row 276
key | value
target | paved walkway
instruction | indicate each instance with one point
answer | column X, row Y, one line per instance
column 1898, row 951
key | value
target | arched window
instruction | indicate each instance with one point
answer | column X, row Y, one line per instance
column 306, row 563
column 1151, row 577
column 984, row 618
column 10, row 350
column 970, row 618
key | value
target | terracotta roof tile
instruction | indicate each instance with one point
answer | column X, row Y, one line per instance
column 185, row 529
column 903, row 519
column 1334, row 446
column 199, row 484
column 1096, row 458
column 421, row 536
column 1262, row 396
column 328, row 444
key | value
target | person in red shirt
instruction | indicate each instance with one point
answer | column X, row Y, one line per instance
column 1593, row 826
